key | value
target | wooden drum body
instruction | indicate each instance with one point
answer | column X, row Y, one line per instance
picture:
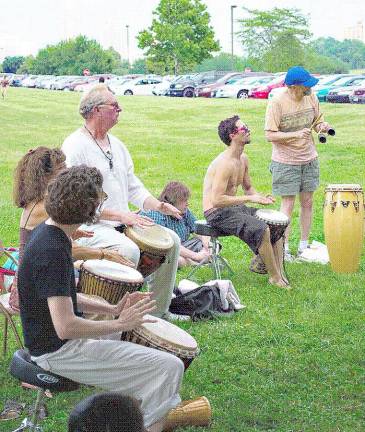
column 154, row 243
column 343, row 215
column 108, row 280
column 276, row 220
column 165, row 336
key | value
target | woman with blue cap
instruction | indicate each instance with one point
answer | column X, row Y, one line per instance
column 290, row 117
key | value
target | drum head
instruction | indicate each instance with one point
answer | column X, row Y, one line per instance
column 168, row 334
column 272, row 216
column 153, row 237
column 343, row 187
column 112, row 271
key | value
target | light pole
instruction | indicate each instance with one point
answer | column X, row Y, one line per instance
column 232, row 7
column 127, row 27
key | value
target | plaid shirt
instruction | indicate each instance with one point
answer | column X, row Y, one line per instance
column 183, row 227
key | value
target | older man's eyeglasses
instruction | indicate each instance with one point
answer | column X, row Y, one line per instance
column 115, row 106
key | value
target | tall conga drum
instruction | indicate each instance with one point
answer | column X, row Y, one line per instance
column 344, row 226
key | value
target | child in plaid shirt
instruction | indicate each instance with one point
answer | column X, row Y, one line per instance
column 192, row 250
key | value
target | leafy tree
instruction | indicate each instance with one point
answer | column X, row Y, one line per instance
column 12, row 64
column 71, row 57
column 27, row 66
column 349, row 51
column 264, row 30
column 324, row 65
column 223, row 61
column 286, row 51
column 180, row 36
column 138, row 67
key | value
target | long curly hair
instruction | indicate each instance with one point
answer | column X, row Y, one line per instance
column 33, row 173
column 74, row 195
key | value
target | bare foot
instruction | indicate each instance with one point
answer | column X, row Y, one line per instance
column 280, row 283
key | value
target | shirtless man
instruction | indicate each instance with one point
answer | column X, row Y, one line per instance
column 227, row 212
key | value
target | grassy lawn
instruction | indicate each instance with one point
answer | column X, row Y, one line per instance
column 292, row 361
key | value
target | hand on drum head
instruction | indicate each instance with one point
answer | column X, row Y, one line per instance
column 81, row 233
column 169, row 209
column 260, row 199
column 132, row 316
column 114, row 256
column 131, row 218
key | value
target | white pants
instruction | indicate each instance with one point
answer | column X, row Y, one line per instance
column 151, row 376
column 161, row 282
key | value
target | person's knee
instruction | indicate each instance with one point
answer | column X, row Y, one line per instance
column 130, row 251
column 173, row 365
column 287, row 204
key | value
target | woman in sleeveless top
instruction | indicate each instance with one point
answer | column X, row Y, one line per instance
column 32, row 175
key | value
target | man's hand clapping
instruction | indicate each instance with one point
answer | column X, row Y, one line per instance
column 133, row 316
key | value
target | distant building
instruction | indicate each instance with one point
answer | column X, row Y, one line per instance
column 355, row 32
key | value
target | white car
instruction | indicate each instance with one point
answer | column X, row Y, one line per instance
column 276, row 91
column 240, row 88
column 141, row 86
column 162, row 88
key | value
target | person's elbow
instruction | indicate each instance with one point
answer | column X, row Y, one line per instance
column 64, row 329
column 269, row 135
column 217, row 202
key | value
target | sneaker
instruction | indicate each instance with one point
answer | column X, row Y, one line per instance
column 12, row 410
column 168, row 316
column 300, row 253
column 288, row 257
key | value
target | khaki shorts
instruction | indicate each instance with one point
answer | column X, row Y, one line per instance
column 292, row 179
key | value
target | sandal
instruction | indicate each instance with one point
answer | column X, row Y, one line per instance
column 12, row 410
column 257, row 265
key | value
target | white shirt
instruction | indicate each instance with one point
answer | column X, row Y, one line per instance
column 120, row 182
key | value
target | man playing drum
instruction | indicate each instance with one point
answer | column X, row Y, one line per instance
column 60, row 340
column 294, row 166
column 94, row 146
column 226, row 211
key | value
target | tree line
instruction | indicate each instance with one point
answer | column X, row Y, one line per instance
column 181, row 39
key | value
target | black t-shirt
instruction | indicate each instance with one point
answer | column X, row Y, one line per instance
column 46, row 270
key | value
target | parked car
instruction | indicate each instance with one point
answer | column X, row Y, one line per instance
column 208, row 90
column 138, row 86
column 262, row 91
column 241, row 87
column 29, row 81
column 342, row 94
column 163, row 87
column 186, row 87
column 358, row 95
column 16, row 80
column 323, row 90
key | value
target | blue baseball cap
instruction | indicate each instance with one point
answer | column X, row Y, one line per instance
column 297, row 75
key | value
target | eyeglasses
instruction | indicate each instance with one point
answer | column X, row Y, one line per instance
column 243, row 129
column 114, row 105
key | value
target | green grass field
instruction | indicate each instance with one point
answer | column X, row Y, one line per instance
column 290, row 362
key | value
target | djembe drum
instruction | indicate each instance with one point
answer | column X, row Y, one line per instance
column 154, row 243
column 343, row 215
column 276, row 220
column 165, row 336
column 108, row 279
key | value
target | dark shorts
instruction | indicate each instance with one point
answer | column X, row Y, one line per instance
column 194, row 244
column 239, row 221
column 292, row 179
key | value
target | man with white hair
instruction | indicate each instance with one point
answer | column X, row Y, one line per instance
column 94, row 146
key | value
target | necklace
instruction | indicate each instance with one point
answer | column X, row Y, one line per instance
column 108, row 154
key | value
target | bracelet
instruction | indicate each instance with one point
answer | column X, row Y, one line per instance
column 102, row 254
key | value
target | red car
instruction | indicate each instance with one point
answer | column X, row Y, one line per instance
column 262, row 92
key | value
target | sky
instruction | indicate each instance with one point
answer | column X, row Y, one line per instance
column 28, row 25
